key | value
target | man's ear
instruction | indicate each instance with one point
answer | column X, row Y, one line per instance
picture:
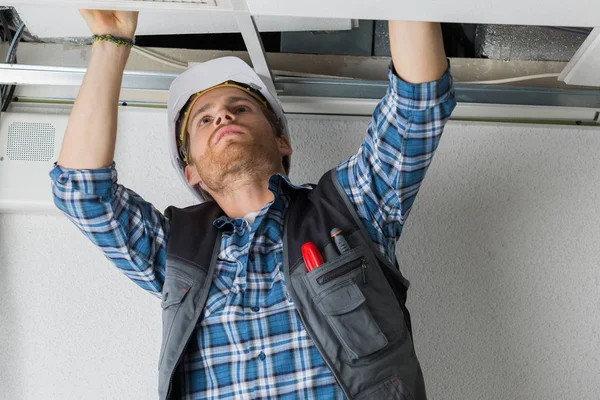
column 285, row 148
column 191, row 175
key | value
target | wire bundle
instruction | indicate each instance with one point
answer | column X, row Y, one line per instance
column 7, row 91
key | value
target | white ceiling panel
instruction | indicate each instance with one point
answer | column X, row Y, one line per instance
column 223, row 5
column 585, row 13
column 518, row 12
column 51, row 21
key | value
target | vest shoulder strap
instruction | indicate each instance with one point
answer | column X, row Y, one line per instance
column 194, row 225
column 312, row 215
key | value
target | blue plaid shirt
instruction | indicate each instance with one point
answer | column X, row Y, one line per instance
column 249, row 342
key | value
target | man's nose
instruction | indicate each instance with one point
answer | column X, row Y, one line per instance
column 223, row 115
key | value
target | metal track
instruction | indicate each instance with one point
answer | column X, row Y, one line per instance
column 315, row 88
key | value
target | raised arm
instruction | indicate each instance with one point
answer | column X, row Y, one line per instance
column 382, row 180
column 89, row 140
column 128, row 230
column 417, row 50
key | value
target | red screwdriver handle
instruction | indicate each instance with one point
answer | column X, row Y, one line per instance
column 311, row 255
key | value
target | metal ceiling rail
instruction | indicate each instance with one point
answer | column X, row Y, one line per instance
column 466, row 93
column 358, row 90
column 243, row 11
column 20, row 74
column 254, row 44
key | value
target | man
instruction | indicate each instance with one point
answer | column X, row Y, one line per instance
column 242, row 315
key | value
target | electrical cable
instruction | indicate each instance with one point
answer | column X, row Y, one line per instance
column 183, row 66
column 9, row 96
column 160, row 58
column 514, row 79
column 180, row 65
column 26, row 35
column 11, row 58
column 12, row 50
column 6, row 26
column 177, row 64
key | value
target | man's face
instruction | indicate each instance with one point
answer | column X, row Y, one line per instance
column 231, row 137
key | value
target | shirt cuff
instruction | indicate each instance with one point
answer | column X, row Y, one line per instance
column 98, row 182
column 420, row 96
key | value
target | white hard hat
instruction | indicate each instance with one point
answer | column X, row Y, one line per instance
column 221, row 71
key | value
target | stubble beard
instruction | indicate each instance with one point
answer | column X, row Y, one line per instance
column 234, row 164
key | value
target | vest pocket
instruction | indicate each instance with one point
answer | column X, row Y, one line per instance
column 175, row 289
column 348, row 315
column 390, row 389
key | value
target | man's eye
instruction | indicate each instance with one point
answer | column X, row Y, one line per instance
column 241, row 109
column 204, row 120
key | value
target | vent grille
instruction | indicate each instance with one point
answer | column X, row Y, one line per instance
column 30, row 141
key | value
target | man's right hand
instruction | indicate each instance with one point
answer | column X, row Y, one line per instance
column 120, row 24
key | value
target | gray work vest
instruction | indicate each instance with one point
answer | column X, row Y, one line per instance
column 352, row 306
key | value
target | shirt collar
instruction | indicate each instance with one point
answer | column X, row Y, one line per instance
column 279, row 185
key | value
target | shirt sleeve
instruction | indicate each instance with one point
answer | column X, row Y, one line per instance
column 128, row 230
column 382, row 179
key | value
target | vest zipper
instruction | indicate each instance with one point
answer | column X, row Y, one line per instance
column 323, row 355
column 341, row 271
column 364, row 271
column 292, row 293
column 209, row 275
column 173, row 373
column 171, row 377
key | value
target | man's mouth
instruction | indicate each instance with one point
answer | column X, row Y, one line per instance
column 227, row 130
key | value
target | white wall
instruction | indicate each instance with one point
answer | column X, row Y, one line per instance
column 501, row 249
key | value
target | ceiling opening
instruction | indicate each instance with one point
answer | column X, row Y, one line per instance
column 370, row 39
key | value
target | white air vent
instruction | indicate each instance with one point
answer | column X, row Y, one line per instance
column 30, row 141
column 29, row 145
